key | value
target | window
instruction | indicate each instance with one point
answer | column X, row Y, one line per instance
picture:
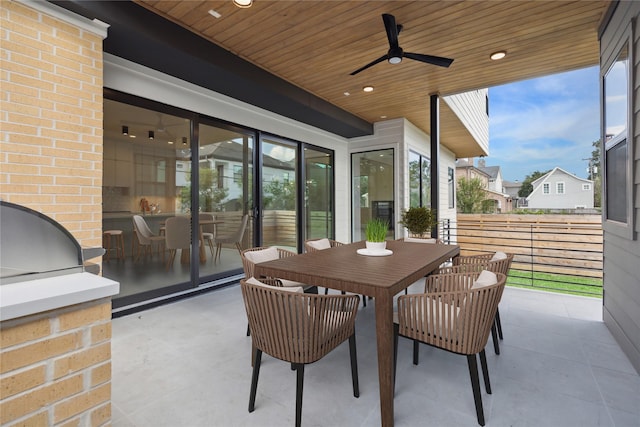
column 220, row 175
column 616, row 150
column 419, row 180
column 237, row 174
column 545, row 188
column 586, row 187
column 452, row 187
column 559, row 187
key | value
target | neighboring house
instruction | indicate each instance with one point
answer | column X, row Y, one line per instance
column 491, row 178
column 560, row 189
column 512, row 188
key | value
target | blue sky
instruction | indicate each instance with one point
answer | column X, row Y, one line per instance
column 542, row 123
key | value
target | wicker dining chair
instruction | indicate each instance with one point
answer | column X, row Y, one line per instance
column 298, row 328
column 456, row 317
column 252, row 256
column 498, row 262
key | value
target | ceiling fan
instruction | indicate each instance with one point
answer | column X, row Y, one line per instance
column 395, row 53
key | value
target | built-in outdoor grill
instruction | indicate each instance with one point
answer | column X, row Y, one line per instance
column 34, row 246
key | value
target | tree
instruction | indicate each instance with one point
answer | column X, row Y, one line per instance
column 280, row 196
column 470, row 195
column 594, row 174
column 210, row 196
column 527, row 186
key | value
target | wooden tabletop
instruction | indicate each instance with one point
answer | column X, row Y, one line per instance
column 344, row 269
column 382, row 277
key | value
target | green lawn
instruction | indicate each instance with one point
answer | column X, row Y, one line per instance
column 574, row 285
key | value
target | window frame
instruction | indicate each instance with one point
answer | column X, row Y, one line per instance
column 546, row 188
column 560, row 184
column 622, row 229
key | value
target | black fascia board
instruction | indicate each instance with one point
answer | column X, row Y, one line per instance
column 140, row 36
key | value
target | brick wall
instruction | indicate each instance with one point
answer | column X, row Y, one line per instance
column 55, row 368
column 51, row 118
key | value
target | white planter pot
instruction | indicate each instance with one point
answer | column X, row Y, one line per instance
column 376, row 246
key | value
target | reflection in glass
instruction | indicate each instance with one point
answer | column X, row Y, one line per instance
column 318, row 194
column 224, row 187
column 616, row 83
column 419, row 180
column 615, row 89
column 143, row 176
column 372, row 190
column 279, row 190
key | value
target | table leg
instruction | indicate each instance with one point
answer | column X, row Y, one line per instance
column 384, row 335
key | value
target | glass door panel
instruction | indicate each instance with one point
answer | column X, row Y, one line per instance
column 225, row 172
column 318, row 202
column 279, row 194
column 145, row 168
column 372, row 190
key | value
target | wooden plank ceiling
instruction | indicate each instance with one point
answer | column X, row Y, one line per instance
column 317, row 44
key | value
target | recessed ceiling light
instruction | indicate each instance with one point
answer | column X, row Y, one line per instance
column 368, row 88
column 214, row 13
column 347, row 94
column 498, row 55
column 383, row 117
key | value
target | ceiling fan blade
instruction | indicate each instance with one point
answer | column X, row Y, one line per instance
column 370, row 64
column 435, row 60
column 392, row 29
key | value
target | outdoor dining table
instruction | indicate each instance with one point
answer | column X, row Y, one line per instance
column 381, row 277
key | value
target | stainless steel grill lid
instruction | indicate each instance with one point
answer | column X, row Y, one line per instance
column 34, row 246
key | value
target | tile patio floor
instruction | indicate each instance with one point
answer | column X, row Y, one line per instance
column 187, row 364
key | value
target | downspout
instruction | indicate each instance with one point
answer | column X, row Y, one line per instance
column 434, row 120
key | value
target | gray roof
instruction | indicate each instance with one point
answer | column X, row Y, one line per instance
column 492, row 171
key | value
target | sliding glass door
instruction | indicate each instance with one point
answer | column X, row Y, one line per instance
column 279, row 194
column 318, row 196
column 225, row 177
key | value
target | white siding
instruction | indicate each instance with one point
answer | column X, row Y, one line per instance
column 471, row 109
column 574, row 195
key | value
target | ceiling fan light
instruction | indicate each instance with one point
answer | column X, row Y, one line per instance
column 125, row 130
column 151, row 134
column 498, row 55
column 243, row 4
column 395, row 59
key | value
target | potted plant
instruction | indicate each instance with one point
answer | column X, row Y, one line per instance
column 376, row 233
column 419, row 220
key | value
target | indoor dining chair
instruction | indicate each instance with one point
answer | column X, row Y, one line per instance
column 455, row 315
column 146, row 238
column 177, row 236
column 208, row 233
column 298, row 328
column 234, row 238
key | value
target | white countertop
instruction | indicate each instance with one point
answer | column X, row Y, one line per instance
column 36, row 296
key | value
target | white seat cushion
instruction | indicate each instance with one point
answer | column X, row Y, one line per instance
column 320, row 244
column 254, row 281
column 416, row 240
column 486, row 278
column 262, row 255
column 498, row 256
